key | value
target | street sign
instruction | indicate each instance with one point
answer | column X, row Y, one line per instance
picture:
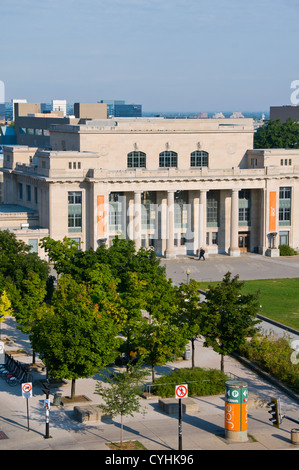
column 27, row 390
column 181, row 391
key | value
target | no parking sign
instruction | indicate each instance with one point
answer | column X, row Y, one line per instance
column 27, row 390
column 181, row 391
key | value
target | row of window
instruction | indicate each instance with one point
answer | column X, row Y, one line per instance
column 181, row 212
column 167, row 159
column 32, row 131
column 27, row 195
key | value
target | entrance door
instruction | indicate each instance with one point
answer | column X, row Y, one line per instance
column 244, row 241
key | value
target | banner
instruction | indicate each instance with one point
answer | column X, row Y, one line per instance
column 100, row 217
column 272, row 213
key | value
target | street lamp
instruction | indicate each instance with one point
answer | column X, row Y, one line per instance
column 188, row 274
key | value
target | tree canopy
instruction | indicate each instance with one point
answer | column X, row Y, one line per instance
column 274, row 134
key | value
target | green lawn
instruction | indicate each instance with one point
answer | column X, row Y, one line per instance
column 279, row 298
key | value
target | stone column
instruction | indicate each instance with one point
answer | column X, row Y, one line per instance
column 170, row 250
column 137, row 219
column 202, row 241
column 234, row 224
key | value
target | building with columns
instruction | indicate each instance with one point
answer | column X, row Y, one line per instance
column 172, row 184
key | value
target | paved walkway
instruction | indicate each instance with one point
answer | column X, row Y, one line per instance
column 157, row 431
column 248, row 266
column 201, row 430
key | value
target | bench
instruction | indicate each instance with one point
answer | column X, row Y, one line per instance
column 87, row 413
column 171, row 405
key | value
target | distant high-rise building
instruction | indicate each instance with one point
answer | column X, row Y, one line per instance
column 55, row 105
column 2, row 111
column 13, row 106
column 119, row 108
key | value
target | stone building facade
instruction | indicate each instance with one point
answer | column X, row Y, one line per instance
column 172, row 184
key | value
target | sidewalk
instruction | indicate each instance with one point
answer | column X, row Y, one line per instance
column 157, row 431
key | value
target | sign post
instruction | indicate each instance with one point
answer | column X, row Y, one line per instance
column 181, row 391
column 27, row 393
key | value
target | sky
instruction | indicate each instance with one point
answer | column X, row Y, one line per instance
column 168, row 55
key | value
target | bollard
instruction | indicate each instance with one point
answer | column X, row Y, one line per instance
column 295, row 436
column 235, row 416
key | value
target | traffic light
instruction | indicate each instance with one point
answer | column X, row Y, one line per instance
column 274, row 412
column 46, row 388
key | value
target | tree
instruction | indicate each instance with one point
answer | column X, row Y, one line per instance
column 122, row 395
column 28, row 302
column 191, row 312
column 74, row 336
column 274, row 134
column 5, row 307
column 230, row 316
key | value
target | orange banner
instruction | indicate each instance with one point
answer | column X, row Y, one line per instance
column 236, row 416
column 100, row 217
column 272, row 214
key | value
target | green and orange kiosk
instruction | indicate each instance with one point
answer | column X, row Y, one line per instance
column 235, row 416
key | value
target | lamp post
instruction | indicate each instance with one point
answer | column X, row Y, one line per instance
column 188, row 274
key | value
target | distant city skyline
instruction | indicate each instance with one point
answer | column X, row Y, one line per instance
column 167, row 55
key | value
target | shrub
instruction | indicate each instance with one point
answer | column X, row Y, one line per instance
column 286, row 250
column 200, row 382
column 273, row 355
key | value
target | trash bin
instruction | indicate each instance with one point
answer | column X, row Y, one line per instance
column 187, row 355
column 57, row 399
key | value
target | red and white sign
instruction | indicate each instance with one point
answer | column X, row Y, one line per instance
column 181, row 391
column 27, row 390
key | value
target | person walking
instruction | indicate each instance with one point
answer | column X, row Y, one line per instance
column 201, row 254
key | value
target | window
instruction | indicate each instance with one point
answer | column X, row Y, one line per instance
column 212, row 208
column 136, row 160
column 148, row 209
column 285, row 193
column 70, row 165
column 181, row 209
column 116, row 214
column 75, row 211
column 33, row 243
column 283, row 238
column 214, row 238
column 75, row 197
column 199, row 159
column 244, row 214
column 244, row 194
column 285, row 215
column 20, row 191
column 168, row 159
column 35, row 195
column 28, row 192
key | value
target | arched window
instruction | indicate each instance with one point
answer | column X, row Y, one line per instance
column 168, row 159
column 136, row 159
column 199, row 158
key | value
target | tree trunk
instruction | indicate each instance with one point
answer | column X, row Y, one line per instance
column 222, row 363
column 193, row 353
column 73, row 389
column 121, row 431
column 153, row 373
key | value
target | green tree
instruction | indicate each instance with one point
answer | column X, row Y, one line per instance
column 230, row 316
column 73, row 335
column 191, row 312
column 122, row 397
column 5, row 308
column 274, row 134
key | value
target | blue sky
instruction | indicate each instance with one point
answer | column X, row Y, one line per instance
column 168, row 55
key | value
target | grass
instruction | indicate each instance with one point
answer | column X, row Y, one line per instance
column 279, row 298
column 126, row 445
